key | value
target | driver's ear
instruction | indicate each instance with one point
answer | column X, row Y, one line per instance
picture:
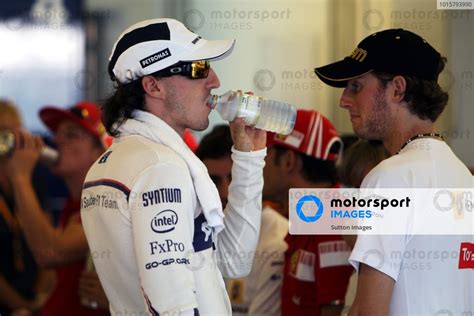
column 153, row 87
column 399, row 85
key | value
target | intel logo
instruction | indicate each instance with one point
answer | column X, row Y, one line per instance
column 164, row 221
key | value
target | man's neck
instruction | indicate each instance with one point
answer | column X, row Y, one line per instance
column 164, row 114
column 404, row 130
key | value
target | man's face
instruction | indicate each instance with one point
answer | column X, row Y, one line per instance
column 220, row 171
column 275, row 187
column 186, row 101
column 370, row 115
column 77, row 150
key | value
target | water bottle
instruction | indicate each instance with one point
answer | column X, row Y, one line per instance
column 48, row 156
column 270, row 115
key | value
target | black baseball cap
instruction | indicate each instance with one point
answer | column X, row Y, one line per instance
column 395, row 51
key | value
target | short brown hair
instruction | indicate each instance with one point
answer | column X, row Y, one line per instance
column 358, row 160
column 425, row 98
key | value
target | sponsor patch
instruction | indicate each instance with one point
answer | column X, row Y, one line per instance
column 103, row 159
column 466, row 256
column 202, row 238
column 333, row 254
column 167, row 246
column 196, row 40
column 166, row 262
column 164, row 222
column 156, row 57
column 98, row 201
column 302, row 265
column 163, row 195
column 294, row 139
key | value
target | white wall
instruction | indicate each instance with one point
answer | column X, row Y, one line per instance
column 278, row 45
column 280, row 42
column 116, row 16
column 461, row 65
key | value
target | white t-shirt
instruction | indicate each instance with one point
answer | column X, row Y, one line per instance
column 260, row 292
column 152, row 248
column 425, row 268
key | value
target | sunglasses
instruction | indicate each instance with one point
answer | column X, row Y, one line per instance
column 191, row 69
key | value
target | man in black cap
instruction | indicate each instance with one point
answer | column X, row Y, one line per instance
column 392, row 95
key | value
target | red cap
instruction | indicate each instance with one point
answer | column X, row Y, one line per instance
column 85, row 114
column 313, row 135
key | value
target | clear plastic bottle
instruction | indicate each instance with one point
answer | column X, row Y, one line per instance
column 48, row 156
column 270, row 115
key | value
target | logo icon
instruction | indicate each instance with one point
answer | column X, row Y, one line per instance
column 164, row 221
column 167, row 246
column 105, row 157
column 207, row 230
column 440, row 200
column 156, row 57
column 264, row 79
column 313, row 206
column 194, row 19
column 374, row 257
column 373, row 20
column 359, row 54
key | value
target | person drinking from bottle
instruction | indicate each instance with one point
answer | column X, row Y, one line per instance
column 23, row 285
column 80, row 137
column 149, row 200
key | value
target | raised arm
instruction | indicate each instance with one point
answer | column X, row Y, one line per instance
column 237, row 242
column 50, row 246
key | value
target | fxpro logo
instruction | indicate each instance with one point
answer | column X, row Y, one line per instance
column 363, row 207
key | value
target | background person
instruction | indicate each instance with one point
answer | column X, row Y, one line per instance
column 260, row 292
column 22, row 283
column 215, row 151
column 79, row 135
column 307, row 159
column 358, row 160
column 356, row 163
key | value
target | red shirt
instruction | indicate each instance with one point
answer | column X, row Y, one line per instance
column 316, row 273
column 64, row 299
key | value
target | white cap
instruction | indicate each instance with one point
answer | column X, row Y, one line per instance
column 153, row 45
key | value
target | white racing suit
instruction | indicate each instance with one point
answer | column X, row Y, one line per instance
column 150, row 242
